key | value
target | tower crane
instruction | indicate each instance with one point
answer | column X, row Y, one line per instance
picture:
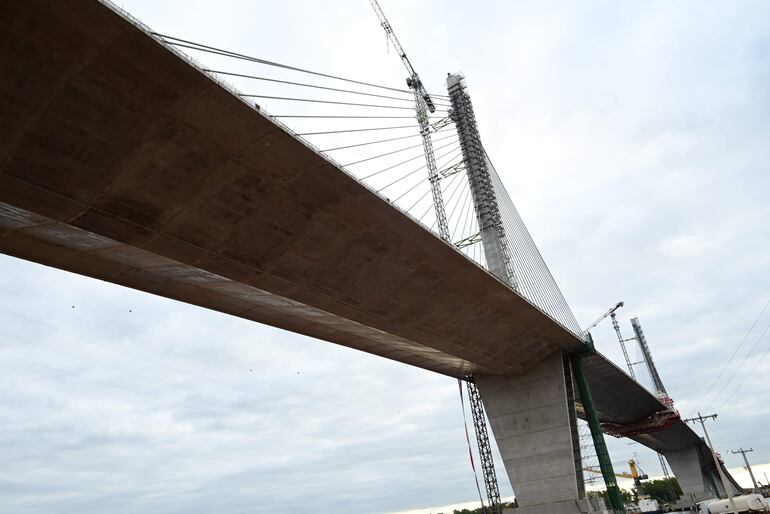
column 413, row 81
column 601, row 318
column 621, row 340
column 423, row 104
column 660, row 389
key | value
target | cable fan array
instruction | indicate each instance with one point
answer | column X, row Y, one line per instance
column 372, row 132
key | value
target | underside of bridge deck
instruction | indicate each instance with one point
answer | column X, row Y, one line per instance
column 122, row 161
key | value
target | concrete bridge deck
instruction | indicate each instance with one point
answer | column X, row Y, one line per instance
column 121, row 161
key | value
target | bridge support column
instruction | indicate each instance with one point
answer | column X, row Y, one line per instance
column 534, row 423
column 688, row 468
column 696, row 478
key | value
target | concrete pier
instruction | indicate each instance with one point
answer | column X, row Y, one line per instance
column 693, row 471
column 533, row 420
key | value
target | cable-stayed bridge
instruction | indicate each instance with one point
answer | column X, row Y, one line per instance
column 124, row 158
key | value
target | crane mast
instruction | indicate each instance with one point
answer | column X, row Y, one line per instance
column 423, row 105
column 660, row 389
column 413, row 81
column 622, row 342
column 616, row 326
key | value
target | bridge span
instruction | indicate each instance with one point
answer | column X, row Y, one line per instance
column 121, row 160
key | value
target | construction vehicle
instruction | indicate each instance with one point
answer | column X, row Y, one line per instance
column 743, row 503
column 633, row 473
column 645, row 503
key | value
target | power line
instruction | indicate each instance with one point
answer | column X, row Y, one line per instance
column 727, row 429
column 735, row 352
column 741, row 367
column 746, row 376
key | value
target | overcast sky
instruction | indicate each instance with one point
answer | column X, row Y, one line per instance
column 634, row 139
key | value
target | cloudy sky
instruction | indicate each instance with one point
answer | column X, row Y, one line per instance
column 634, row 139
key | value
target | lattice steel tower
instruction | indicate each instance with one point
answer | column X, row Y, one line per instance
column 493, row 238
column 423, row 104
column 485, row 447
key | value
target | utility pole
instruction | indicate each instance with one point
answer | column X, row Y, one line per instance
column 722, row 476
column 748, row 466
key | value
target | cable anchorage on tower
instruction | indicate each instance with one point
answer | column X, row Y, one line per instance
column 493, row 237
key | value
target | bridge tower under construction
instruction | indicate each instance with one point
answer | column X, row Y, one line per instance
column 532, row 416
column 491, row 231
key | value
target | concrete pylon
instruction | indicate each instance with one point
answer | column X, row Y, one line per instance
column 697, row 480
column 493, row 237
column 534, row 423
column 688, row 467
